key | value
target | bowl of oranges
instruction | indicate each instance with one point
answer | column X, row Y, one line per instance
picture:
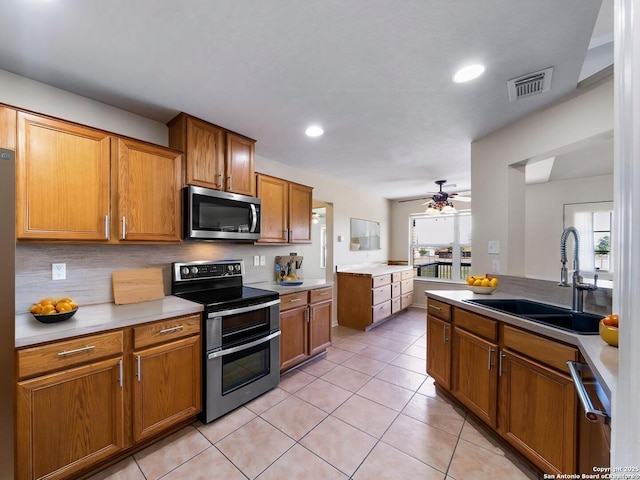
column 483, row 284
column 51, row 310
column 608, row 329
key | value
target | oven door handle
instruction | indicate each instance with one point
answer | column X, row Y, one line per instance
column 239, row 348
column 251, row 308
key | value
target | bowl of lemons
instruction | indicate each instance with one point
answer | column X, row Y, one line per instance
column 608, row 329
column 51, row 310
column 482, row 284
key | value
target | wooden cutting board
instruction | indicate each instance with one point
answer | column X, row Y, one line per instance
column 137, row 285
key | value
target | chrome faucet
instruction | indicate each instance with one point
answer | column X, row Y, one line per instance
column 576, row 279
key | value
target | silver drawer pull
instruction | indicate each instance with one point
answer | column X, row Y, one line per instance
column 295, row 300
column 434, row 307
column 171, row 330
column 590, row 412
column 77, row 350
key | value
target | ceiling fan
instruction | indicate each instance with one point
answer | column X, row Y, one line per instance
column 441, row 196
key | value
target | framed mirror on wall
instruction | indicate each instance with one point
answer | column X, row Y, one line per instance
column 365, row 235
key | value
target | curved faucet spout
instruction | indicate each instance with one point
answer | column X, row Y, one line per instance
column 563, row 254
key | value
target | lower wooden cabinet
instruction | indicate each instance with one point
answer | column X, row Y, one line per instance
column 305, row 328
column 81, row 401
column 439, row 351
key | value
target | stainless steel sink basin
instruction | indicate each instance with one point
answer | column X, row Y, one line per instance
column 562, row 318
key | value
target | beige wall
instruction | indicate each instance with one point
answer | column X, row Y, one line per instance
column 498, row 190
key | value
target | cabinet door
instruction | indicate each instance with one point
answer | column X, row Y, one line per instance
column 274, row 195
column 68, row 421
column 148, row 180
column 475, row 374
column 167, row 386
column 300, row 199
column 62, row 188
column 319, row 327
column 538, row 413
column 8, row 132
column 293, row 337
column 240, row 176
column 204, row 154
column 439, row 351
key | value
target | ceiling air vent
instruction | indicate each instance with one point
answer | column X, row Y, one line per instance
column 530, row 84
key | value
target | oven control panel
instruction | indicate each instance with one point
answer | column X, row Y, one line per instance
column 207, row 270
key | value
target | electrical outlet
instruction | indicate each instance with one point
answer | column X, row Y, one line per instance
column 256, row 260
column 495, row 266
column 263, row 260
column 58, row 271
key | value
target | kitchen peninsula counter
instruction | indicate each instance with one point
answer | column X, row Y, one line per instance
column 601, row 357
column 98, row 318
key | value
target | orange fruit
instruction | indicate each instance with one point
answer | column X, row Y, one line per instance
column 37, row 309
column 47, row 309
column 65, row 299
column 47, row 301
column 63, row 307
column 73, row 305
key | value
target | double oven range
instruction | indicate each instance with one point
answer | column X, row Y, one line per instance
column 241, row 333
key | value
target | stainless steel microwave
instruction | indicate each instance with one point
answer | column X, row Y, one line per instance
column 215, row 215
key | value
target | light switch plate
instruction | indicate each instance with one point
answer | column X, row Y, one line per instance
column 495, row 266
column 494, row 247
column 256, row 260
column 263, row 260
column 58, row 271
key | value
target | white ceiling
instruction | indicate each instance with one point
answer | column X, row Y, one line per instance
column 376, row 74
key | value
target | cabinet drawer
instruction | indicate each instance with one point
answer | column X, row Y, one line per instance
column 380, row 312
column 166, row 330
column 381, row 294
column 395, row 290
column 407, row 274
column 406, row 300
column 539, row 348
column 483, row 326
column 380, row 280
column 320, row 294
column 396, row 304
column 439, row 309
column 293, row 300
column 56, row 356
column 406, row 286
column 396, row 277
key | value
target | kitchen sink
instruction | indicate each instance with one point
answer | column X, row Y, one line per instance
column 558, row 317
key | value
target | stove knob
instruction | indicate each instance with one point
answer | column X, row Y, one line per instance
column 230, row 268
column 194, row 270
column 184, row 271
column 237, row 267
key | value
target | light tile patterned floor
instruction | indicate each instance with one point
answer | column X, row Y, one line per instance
column 365, row 410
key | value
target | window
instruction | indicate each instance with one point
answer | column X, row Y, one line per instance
column 441, row 246
column 593, row 222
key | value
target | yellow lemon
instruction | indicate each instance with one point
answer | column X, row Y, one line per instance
column 470, row 280
column 477, row 283
column 493, row 282
column 485, row 282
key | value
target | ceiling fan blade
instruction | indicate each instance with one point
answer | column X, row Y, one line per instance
column 461, row 199
column 413, row 199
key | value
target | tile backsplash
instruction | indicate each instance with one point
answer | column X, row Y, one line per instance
column 89, row 267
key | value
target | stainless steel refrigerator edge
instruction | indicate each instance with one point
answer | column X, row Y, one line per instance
column 7, row 317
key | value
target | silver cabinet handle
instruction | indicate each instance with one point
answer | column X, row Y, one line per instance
column 220, row 181
column 286, row 234
column 120, row 367
column 590, row 412
column 295, row 300
column 444, row 334
column 229, row 183
column 138, row 369
column 106, row 227
column 490, row 356
column 77, row 350
column 500, row 357
column 172, row 329
column 434, row 307
column 124, row 227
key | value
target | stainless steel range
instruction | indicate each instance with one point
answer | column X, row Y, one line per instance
column 241, row 328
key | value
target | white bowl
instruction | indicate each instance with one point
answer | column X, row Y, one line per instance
column 482, row 290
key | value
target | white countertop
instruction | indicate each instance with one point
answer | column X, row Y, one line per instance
column 377, row 270
column 307, row 284
column 98, row 318
column 601, row 357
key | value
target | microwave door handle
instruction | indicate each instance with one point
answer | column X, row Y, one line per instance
column 254, row 218
column 239, row 348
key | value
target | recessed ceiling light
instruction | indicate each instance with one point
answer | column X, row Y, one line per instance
column 314, row 131
column 468, row 73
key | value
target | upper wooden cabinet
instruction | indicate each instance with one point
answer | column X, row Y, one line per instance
column 285, row 210
column 147, row 183
column 8, row 128
column 76, row 183
column 214, row 157
column 62, row 185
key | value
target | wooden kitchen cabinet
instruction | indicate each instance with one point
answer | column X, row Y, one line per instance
column 167, row 387
column 305, row 325
column 439, row 342
column 285, row 210
column 214, row 157
column 147, row 183
column 62, row 180
column 8, row 131
column 72, row 416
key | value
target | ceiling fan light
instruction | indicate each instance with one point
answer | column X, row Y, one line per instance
column 431, row 210
column 449, row 209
